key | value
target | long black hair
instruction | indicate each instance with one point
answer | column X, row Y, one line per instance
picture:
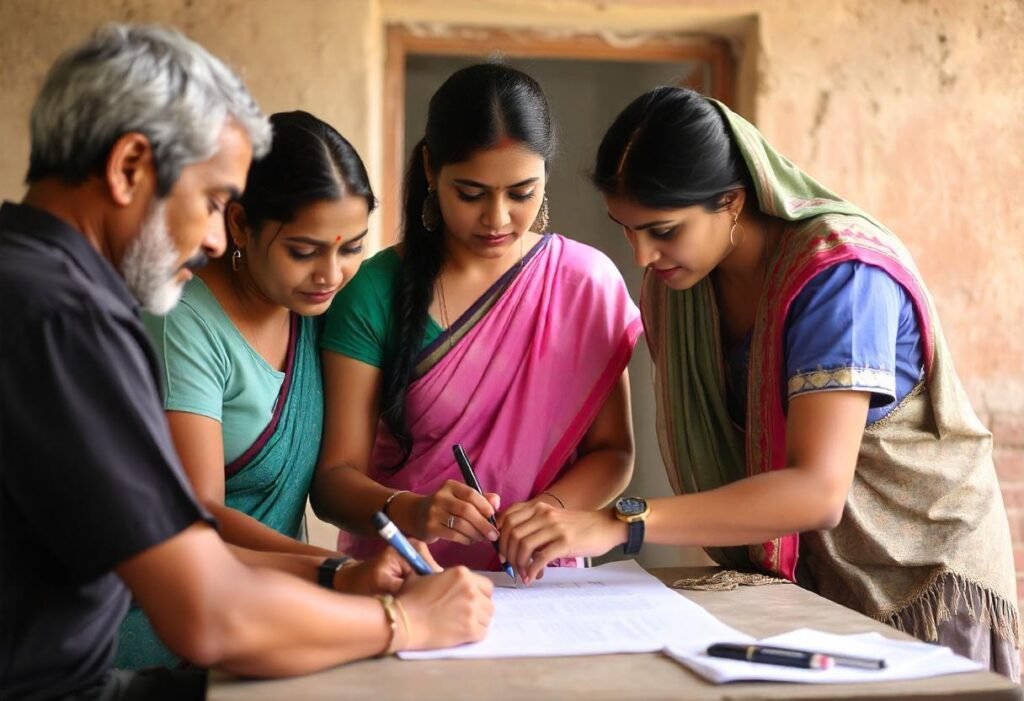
column 474, row 109
column 670, row 148
column 308, row 161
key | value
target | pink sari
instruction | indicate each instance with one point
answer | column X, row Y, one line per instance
column 517, row 380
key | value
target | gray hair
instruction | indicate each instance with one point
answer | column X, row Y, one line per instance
column 138, row 78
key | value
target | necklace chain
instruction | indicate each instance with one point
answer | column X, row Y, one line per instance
column 442, row 304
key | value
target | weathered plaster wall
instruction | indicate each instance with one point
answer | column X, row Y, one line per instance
column 910, row 108
column 323, row 56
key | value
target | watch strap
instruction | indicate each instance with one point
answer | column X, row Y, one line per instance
column 328, row 568
column 634, row 537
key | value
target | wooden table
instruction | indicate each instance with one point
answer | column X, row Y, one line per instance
column 759, row 611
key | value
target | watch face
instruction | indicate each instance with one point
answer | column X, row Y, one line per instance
column 631, row 506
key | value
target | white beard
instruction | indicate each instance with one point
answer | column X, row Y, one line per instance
column 150, row 265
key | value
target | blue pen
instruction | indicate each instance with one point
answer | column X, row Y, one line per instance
column 389, row 532
column 469, row 477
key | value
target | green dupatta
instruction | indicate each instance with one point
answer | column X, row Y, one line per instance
column 924, row 534
column 701, row 446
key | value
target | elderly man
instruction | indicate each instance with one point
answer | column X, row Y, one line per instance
column 139, row 139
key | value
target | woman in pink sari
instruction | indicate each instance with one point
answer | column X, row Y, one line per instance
column 479, row 329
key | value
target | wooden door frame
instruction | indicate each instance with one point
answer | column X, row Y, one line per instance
column 402, row 41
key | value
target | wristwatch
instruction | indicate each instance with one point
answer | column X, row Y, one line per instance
column 328, row 568
column 633, row 512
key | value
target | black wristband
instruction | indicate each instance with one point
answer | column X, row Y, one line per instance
column 328, row 568
column 634, row 538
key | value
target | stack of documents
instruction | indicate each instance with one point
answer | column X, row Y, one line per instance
column 904, row 659
column 618, row 607
column 621, row 608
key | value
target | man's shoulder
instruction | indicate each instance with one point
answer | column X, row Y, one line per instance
column 39, row 281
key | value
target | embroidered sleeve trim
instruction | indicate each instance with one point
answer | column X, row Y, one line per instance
column 870, row 379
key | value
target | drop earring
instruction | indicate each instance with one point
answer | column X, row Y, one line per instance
column 540, row 224
column 735, row 223
column 430, row 217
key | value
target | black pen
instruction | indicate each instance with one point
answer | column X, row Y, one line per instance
column 784, row 657
column 469, row 477
column 857, row 662
column 789, row 657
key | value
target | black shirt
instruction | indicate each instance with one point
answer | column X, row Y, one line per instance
column 88, row 474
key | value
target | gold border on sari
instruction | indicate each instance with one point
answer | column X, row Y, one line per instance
column 451, row 337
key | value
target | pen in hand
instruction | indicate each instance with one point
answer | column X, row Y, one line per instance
column 469, row 477
column 389, row 532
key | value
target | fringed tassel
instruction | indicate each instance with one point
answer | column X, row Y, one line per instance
column 922, row 616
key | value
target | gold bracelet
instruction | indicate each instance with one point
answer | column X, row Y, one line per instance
column 405, row 623
column 388, row 602
column 553, row 497
column 387, row 502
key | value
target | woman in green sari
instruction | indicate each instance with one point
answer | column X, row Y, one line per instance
column 243, row 390
column 809, row 415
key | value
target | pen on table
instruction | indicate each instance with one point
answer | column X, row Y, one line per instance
column 770, row 655
column 389, row 532
column 469, row 477
column 788, row 657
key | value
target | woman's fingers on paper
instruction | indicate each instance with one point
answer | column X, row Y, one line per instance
column 542, row 558
column 528, row 538
column 542, row 547
column 523, row 521
column 509, row 521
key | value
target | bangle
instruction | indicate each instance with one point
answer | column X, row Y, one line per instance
column 387, row 502
column 553, row 497
column 405, row 622
column 390, row 612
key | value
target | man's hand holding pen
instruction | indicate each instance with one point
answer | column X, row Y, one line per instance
column 446, row 609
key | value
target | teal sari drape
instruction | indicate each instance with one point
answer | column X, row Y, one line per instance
column 269, row 481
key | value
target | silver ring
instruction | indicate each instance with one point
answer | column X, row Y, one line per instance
column 451, row 521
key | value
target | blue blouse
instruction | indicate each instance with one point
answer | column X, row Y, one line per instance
column 852, row 327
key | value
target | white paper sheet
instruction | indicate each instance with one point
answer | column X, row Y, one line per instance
column 904, row 660
column 613, row 608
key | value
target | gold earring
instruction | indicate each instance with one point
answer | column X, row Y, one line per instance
column 236, row 260
column 735, row 221
column 430, row 216
column 540, row 224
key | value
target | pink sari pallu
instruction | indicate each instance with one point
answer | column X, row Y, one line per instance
column 517, row 380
